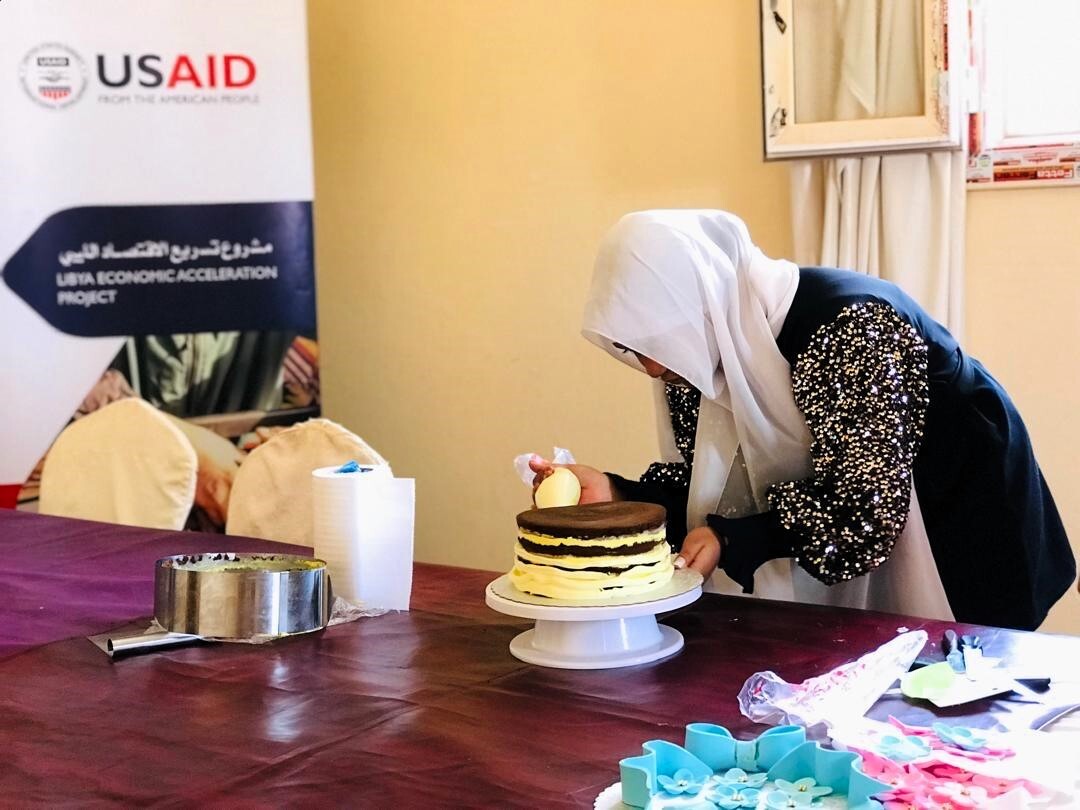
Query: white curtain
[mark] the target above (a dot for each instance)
(900, 216)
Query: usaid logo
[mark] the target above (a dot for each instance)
(53, 75)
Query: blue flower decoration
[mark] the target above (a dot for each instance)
(903, 749)
(682, 782)
(807, 786)
(730, 797)
(740, 778)
(970, 739)
(781, 800)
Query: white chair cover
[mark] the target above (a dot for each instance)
(271, 496)
(125, 463)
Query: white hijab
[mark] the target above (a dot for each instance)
(689, 290)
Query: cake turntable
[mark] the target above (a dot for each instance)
(595, 634)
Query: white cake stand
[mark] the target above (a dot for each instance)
(598, 634)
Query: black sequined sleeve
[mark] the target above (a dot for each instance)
(861, 384)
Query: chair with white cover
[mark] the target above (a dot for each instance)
(125, 463)
(272, 495)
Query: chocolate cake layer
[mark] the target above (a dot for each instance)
(586, 551)
(594, 519)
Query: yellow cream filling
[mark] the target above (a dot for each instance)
(615, 541)
(544, 580)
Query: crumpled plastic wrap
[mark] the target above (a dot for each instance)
(343, 611)
(559, 455)
(838, 695)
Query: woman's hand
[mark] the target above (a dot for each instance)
(595, 486)
(700, 551)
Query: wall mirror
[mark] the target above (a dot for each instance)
(861, 76)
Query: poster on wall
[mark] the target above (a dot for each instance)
(155, 218)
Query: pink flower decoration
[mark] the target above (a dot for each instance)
(879, 767)
(953, 794)
(903, 800)
(903, 778)
(941, 771)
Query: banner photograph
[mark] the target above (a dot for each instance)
(159, 244)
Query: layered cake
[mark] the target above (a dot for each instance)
(594, 551)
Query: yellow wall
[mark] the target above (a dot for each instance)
(1023, 322)
(469, 155)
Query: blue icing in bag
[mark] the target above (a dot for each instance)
(351, 467)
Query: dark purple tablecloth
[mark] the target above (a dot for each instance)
(419, 709)
(62, 578)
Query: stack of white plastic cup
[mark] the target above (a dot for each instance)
(363, 529)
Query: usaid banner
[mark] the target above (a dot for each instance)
(155, 197)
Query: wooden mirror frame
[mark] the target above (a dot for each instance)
(944, 64)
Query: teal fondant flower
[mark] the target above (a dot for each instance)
(970, 739)
(803, 787)
(730, 797)
(681, 782)
(739, 777)
(903, 749)
(779, 800)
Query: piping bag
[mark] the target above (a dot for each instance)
(841, 694)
